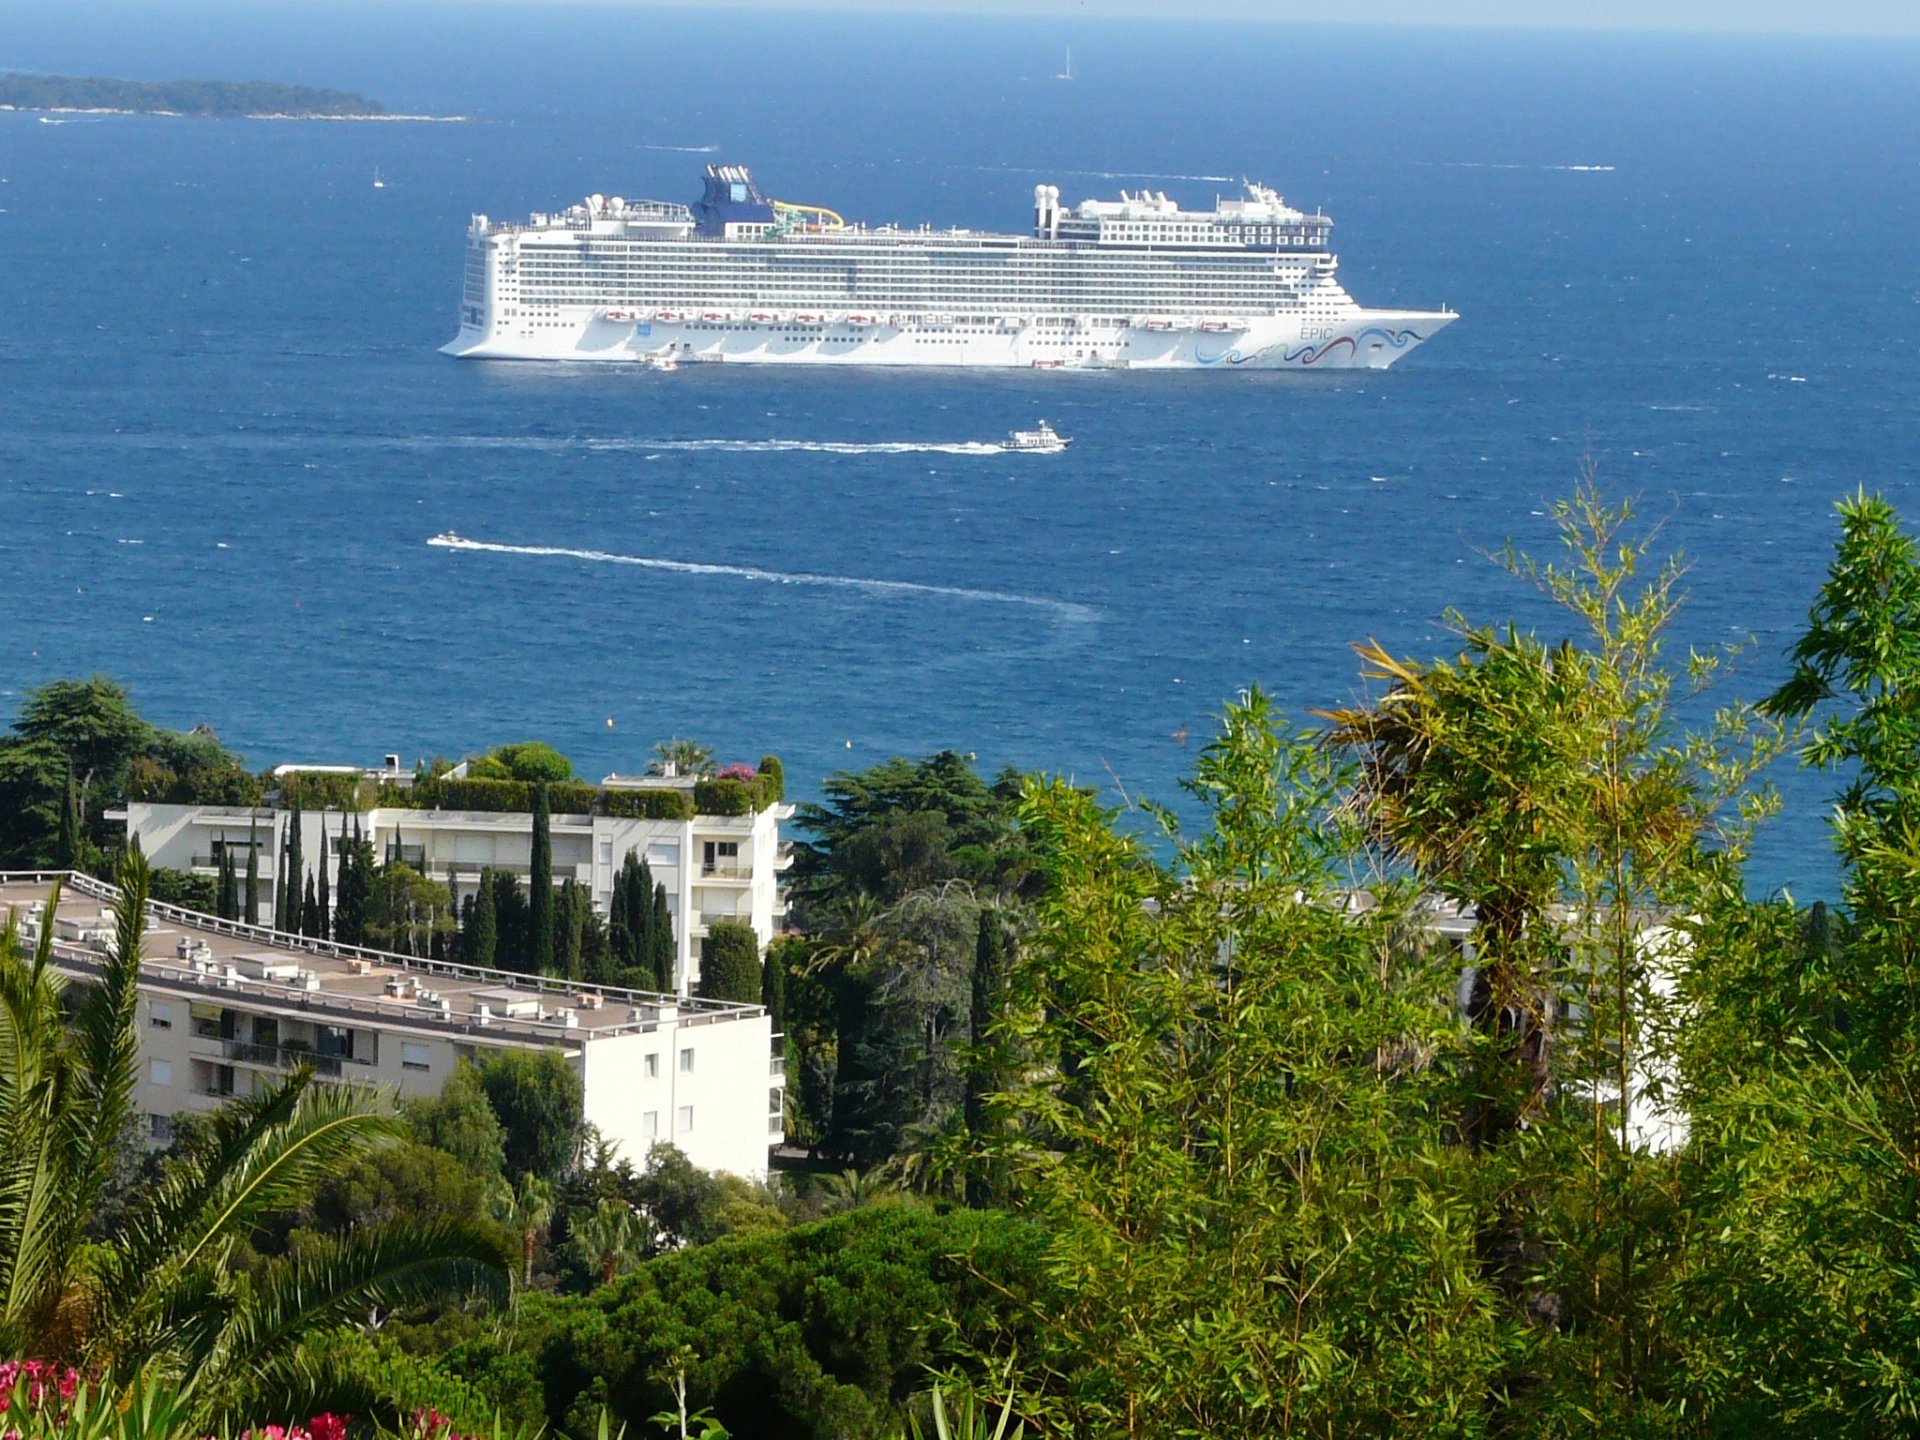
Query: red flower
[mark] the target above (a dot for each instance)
(328, 1426)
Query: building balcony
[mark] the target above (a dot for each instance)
(723, 871)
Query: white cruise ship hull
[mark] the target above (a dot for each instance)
(1361, 339)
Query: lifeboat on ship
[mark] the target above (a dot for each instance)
(1157, 322)
(766, 317)
(1215, 324)
(618, 317)
(668, 316)
(807, 317)
(716, 317)
(864, 322)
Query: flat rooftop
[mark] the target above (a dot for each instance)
(223, 961)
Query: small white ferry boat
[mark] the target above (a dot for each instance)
(658, 360)
(1041, 438)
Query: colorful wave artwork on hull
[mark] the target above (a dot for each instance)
(1312, 354)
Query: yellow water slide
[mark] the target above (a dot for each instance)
(811, 217)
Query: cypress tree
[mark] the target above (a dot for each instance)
(226, 897)
(773, 985)
(730, 963)
(483, 938)
(252, 917)
(572, 925)
(619, 934)
(310, 911)
(296, 873)
(992, 954)
(356, 887)
(540, 883)
(325, 925)
(67, 845)
(664, 957)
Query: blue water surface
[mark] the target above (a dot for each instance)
(226, 436)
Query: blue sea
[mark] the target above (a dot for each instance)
(226, 437)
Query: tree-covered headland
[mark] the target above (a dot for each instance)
(1430, 1073)
(180, 97)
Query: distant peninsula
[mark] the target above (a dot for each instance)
(250, 99)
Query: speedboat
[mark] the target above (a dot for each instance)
(1042, 439)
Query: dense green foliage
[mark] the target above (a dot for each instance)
(76, 748)
(179, 97)
(538, 1097)
(814, 1333)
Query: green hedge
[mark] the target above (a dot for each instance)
(572, 797)
(495, 796)
(647, 804)
(312, 791)
(773, 780)
(723, 797)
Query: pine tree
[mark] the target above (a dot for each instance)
(324, 928)
(664, 955)
(540, 883)
(483, 937)
(252, 917)
(67, 846)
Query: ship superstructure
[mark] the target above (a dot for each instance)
(1130, 283)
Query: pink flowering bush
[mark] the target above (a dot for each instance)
(736, 771)
(327, 1426)
(31, 1384)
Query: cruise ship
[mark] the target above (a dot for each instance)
(1133, 283)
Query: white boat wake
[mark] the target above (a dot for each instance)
(818, 447)
(1065, 609)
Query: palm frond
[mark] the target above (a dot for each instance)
(383, 1266)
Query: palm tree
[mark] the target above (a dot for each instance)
(158, 1297)
(612, 1236)
(681, 757)
(526, 1207)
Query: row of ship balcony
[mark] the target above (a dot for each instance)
(865, 320)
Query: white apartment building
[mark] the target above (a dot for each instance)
(714, 867)
(227, 1009)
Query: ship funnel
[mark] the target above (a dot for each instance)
(1046, 212)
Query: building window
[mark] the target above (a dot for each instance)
(413, 1056)
(686, 1061)
(650, 1125)
(653, 1067)
(160, 1072)
(683, 1121)
(160, 1015)
(606, 853)
(659, 855)
(160, 1127)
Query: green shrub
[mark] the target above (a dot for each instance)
(185, 889)
(532, 760)
(722, 797)
(488, 767)
(661, 804)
